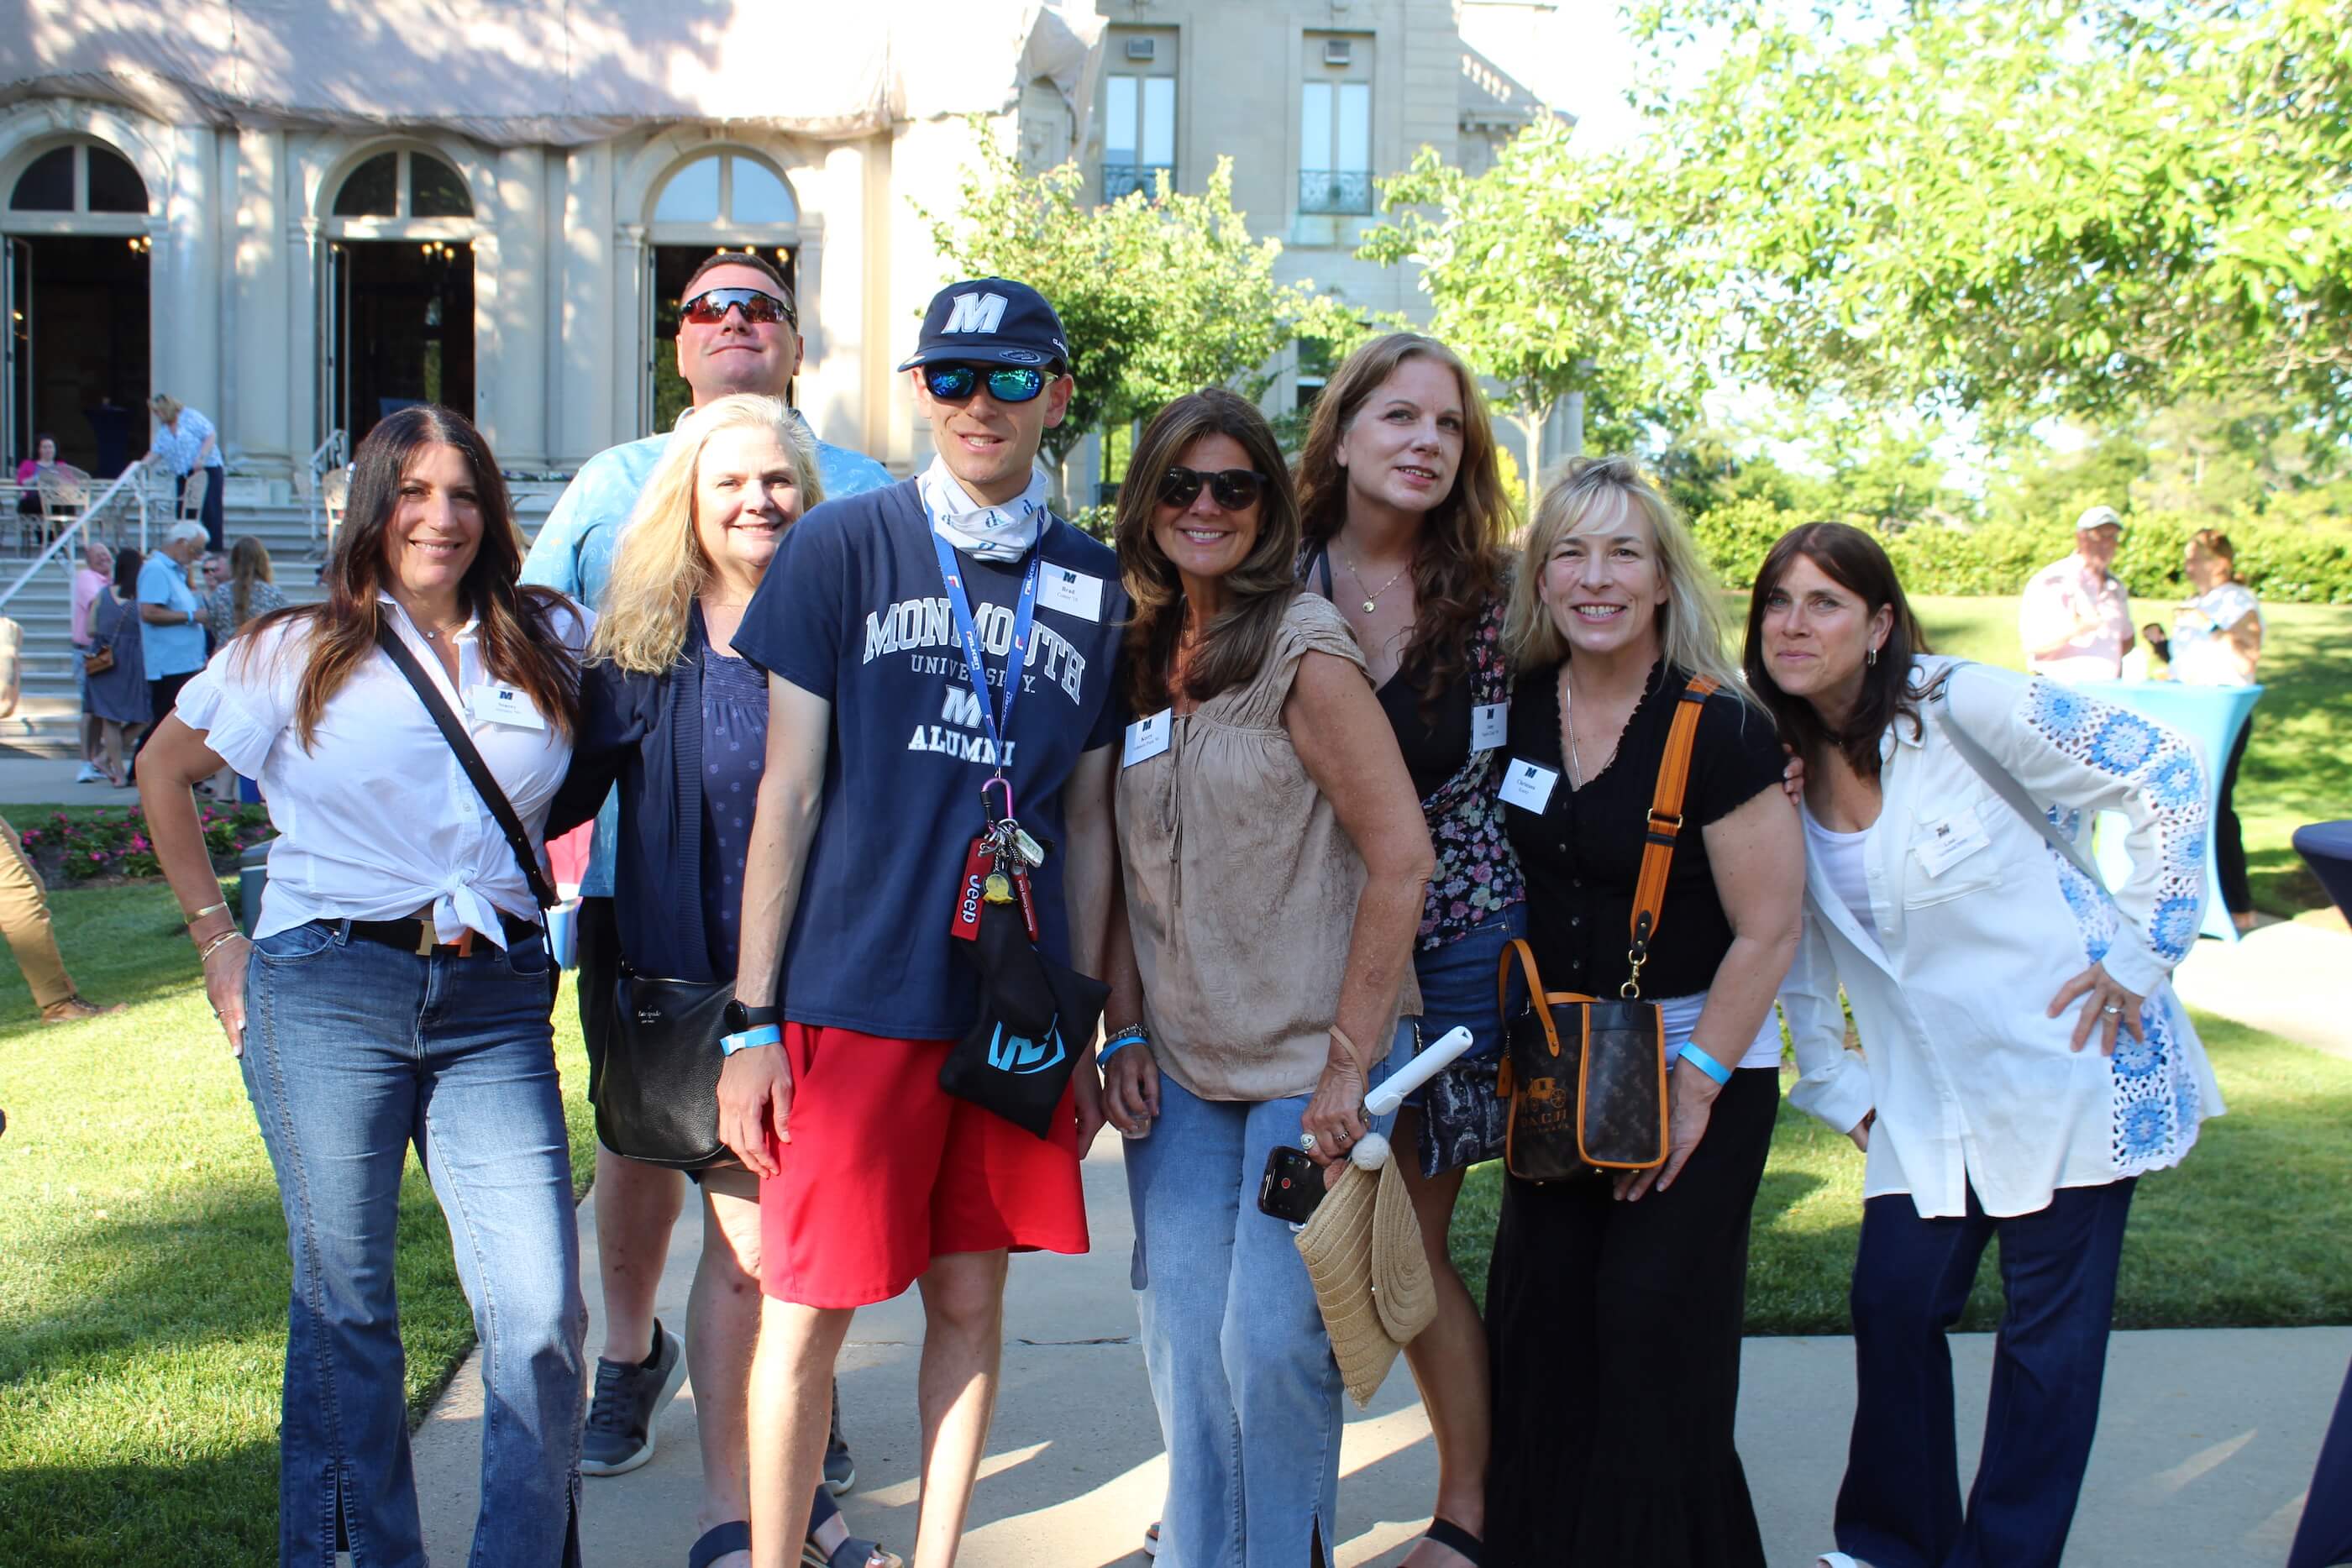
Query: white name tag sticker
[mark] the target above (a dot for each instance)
(1527, 786)
(1071, 592)
(1944, 844)
(504, 705)
(1489, 723)
(1147, 737)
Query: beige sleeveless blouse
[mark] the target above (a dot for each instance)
(1242, 885)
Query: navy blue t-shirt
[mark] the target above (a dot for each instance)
(854, 610)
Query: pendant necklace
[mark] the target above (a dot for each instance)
(1373, 599)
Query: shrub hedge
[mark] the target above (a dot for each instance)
(2298, 563)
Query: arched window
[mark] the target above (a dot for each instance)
(403, 184)
(727, 191)
(79, 177)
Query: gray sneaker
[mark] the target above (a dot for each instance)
(629, 1400)
(840, 1470)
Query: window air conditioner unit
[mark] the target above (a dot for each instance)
(1337, 51)
(1142, 48)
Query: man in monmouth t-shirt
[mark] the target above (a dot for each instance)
(881, 736)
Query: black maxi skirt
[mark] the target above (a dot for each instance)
(1614, 1330)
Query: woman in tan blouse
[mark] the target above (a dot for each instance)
(1275, 857)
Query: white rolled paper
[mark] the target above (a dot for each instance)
(1435, 1060)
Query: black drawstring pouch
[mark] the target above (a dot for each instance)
(1036, 1017)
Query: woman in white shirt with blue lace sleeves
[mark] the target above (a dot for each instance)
(1983, 968)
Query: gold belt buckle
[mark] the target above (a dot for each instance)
(426, 943)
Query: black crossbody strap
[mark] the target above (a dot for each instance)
(470, 759)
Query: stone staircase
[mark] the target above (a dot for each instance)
(48, 712)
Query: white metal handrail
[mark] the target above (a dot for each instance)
(65, 534)
(330, 456)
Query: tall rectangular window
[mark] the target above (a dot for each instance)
(1139, 111)
(1335, 125)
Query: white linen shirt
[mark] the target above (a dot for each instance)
(377, 819)
(1976, 921)
(2200, 653)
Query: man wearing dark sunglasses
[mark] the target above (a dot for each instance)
(738, 332)
(939, 654)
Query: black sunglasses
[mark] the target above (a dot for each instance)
(1232, 488)
(759, 307)
(1006, 383)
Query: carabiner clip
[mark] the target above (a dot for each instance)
(988, 806)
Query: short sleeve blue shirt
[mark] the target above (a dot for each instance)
(854, 612)
(174, 649)
(572, 553)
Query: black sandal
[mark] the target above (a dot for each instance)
(717, 1541)
(1455, 1539)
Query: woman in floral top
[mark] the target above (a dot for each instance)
(1404, 518)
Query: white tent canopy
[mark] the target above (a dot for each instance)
(516, 72)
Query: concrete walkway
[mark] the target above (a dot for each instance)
(2205, 1446)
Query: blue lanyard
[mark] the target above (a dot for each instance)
(1024, 614)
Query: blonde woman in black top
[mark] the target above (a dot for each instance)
(1613, 1308)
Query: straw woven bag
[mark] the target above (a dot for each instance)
(1363, 1252)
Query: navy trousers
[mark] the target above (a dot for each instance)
(1900, 1506)
(2324, 1538)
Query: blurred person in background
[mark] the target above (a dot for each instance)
(2076, 618)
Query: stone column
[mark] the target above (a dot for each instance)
(260, 281)
(632, 413)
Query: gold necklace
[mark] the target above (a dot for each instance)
(1372, 600)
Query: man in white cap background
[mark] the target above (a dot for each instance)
(2075, 620)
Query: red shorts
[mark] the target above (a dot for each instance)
(887, 1171)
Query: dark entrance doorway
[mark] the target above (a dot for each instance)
(672, 265)
(78, 349)
(402, 329)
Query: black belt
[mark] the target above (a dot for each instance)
(418, 936)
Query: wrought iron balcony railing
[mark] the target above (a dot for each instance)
(1335, 191)
(1118, 179)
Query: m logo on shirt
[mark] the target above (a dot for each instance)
(961, 708)
(975, 313)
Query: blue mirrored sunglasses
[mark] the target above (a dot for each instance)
(1006, 383)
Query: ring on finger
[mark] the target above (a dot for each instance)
(2113, 1008)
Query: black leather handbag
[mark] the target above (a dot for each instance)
(1585, 1078)
(657, 1096)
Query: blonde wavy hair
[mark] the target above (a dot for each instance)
(1691, 627)
(660, 565)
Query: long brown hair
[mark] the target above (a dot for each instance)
(518, 646)
(248, 563)
(1235, 646)
(1857, 563)
(1459, 564)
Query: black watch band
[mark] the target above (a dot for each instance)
(739, 1018)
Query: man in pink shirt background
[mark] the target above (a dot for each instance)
(89, 580)
(2076, 620)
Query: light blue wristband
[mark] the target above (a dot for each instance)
(1691, 1053)
(1117, 1043)
(766, 1034)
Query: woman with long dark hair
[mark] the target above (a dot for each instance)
(397, 987)
(1944, 893)
(1402, 506)
(1274, 862)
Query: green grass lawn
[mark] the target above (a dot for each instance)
(143, 1262)
(2299, 765)
(2245, 1232)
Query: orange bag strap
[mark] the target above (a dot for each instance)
(1526, 955)
(1665, 823)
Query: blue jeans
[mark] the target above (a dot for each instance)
(353, 1052)
(1240, 1364)
(1900, 1504)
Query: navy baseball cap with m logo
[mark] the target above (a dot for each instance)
(991, 321)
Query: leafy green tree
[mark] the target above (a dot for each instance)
(2020, 208)
(1549, 275)
(1160, 295)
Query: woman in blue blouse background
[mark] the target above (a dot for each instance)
(681, 724)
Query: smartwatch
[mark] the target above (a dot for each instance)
(748, 1028)
(738, 1019)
